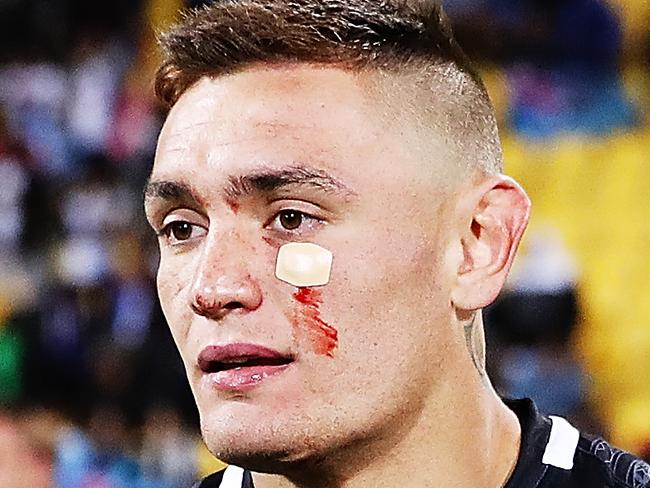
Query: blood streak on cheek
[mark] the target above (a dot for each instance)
(307, 320)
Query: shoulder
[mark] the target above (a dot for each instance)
(554, 454)
(579, 460)
(617, 468)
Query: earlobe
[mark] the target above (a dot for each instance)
(499, 216)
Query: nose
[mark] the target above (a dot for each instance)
(223, 283)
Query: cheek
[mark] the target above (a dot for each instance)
(309, 325)
(172, 291)
(386, 299)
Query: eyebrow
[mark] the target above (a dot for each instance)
(261, 182)
(173, 191)
(268, 181)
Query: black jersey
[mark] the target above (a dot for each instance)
(553, 454)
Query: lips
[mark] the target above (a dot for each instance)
(241, 366)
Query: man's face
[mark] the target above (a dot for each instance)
(249, 162)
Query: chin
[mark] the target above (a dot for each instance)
(280, 433)
(260, 448)
(270, 444)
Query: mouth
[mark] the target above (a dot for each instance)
(241, 366)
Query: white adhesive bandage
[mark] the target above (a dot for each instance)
(303, 264)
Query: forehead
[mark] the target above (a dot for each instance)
(237, 118)
(265, 93)
(320, 116)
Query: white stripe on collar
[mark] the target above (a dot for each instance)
(562, 444)
(233, 477)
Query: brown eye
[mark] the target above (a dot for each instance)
(181, 231)
(290, 219)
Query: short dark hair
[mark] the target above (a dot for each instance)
(226, 36)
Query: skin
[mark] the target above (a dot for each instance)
(21, 466)
(420, 245)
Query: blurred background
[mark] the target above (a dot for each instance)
(92, 391)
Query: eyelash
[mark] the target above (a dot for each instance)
(306, 219)
(167, 230)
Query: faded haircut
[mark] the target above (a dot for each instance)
(401, 37)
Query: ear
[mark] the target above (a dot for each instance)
(496, 216)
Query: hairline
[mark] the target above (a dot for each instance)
(400, 37)
(393, 89)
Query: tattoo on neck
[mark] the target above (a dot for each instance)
(475, 340)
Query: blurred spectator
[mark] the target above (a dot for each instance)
(14, 183)
(168, 454)
(98, 459)
(532, 324)
(134, 296)
(81, 332)
(540, 303)
(136, 121)
(11, 358)
(21, 464)
(99, 65)
(97, 201)
(35, 95)
(562, 62)
(107, 455)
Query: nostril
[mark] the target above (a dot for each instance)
(214, 309)
(201, 303)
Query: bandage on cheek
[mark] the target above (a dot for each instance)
(303, 264)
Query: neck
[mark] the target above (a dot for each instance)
(471, 428)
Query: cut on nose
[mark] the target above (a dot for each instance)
(225, 296)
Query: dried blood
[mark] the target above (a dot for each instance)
(234, 206)
(324, 337)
